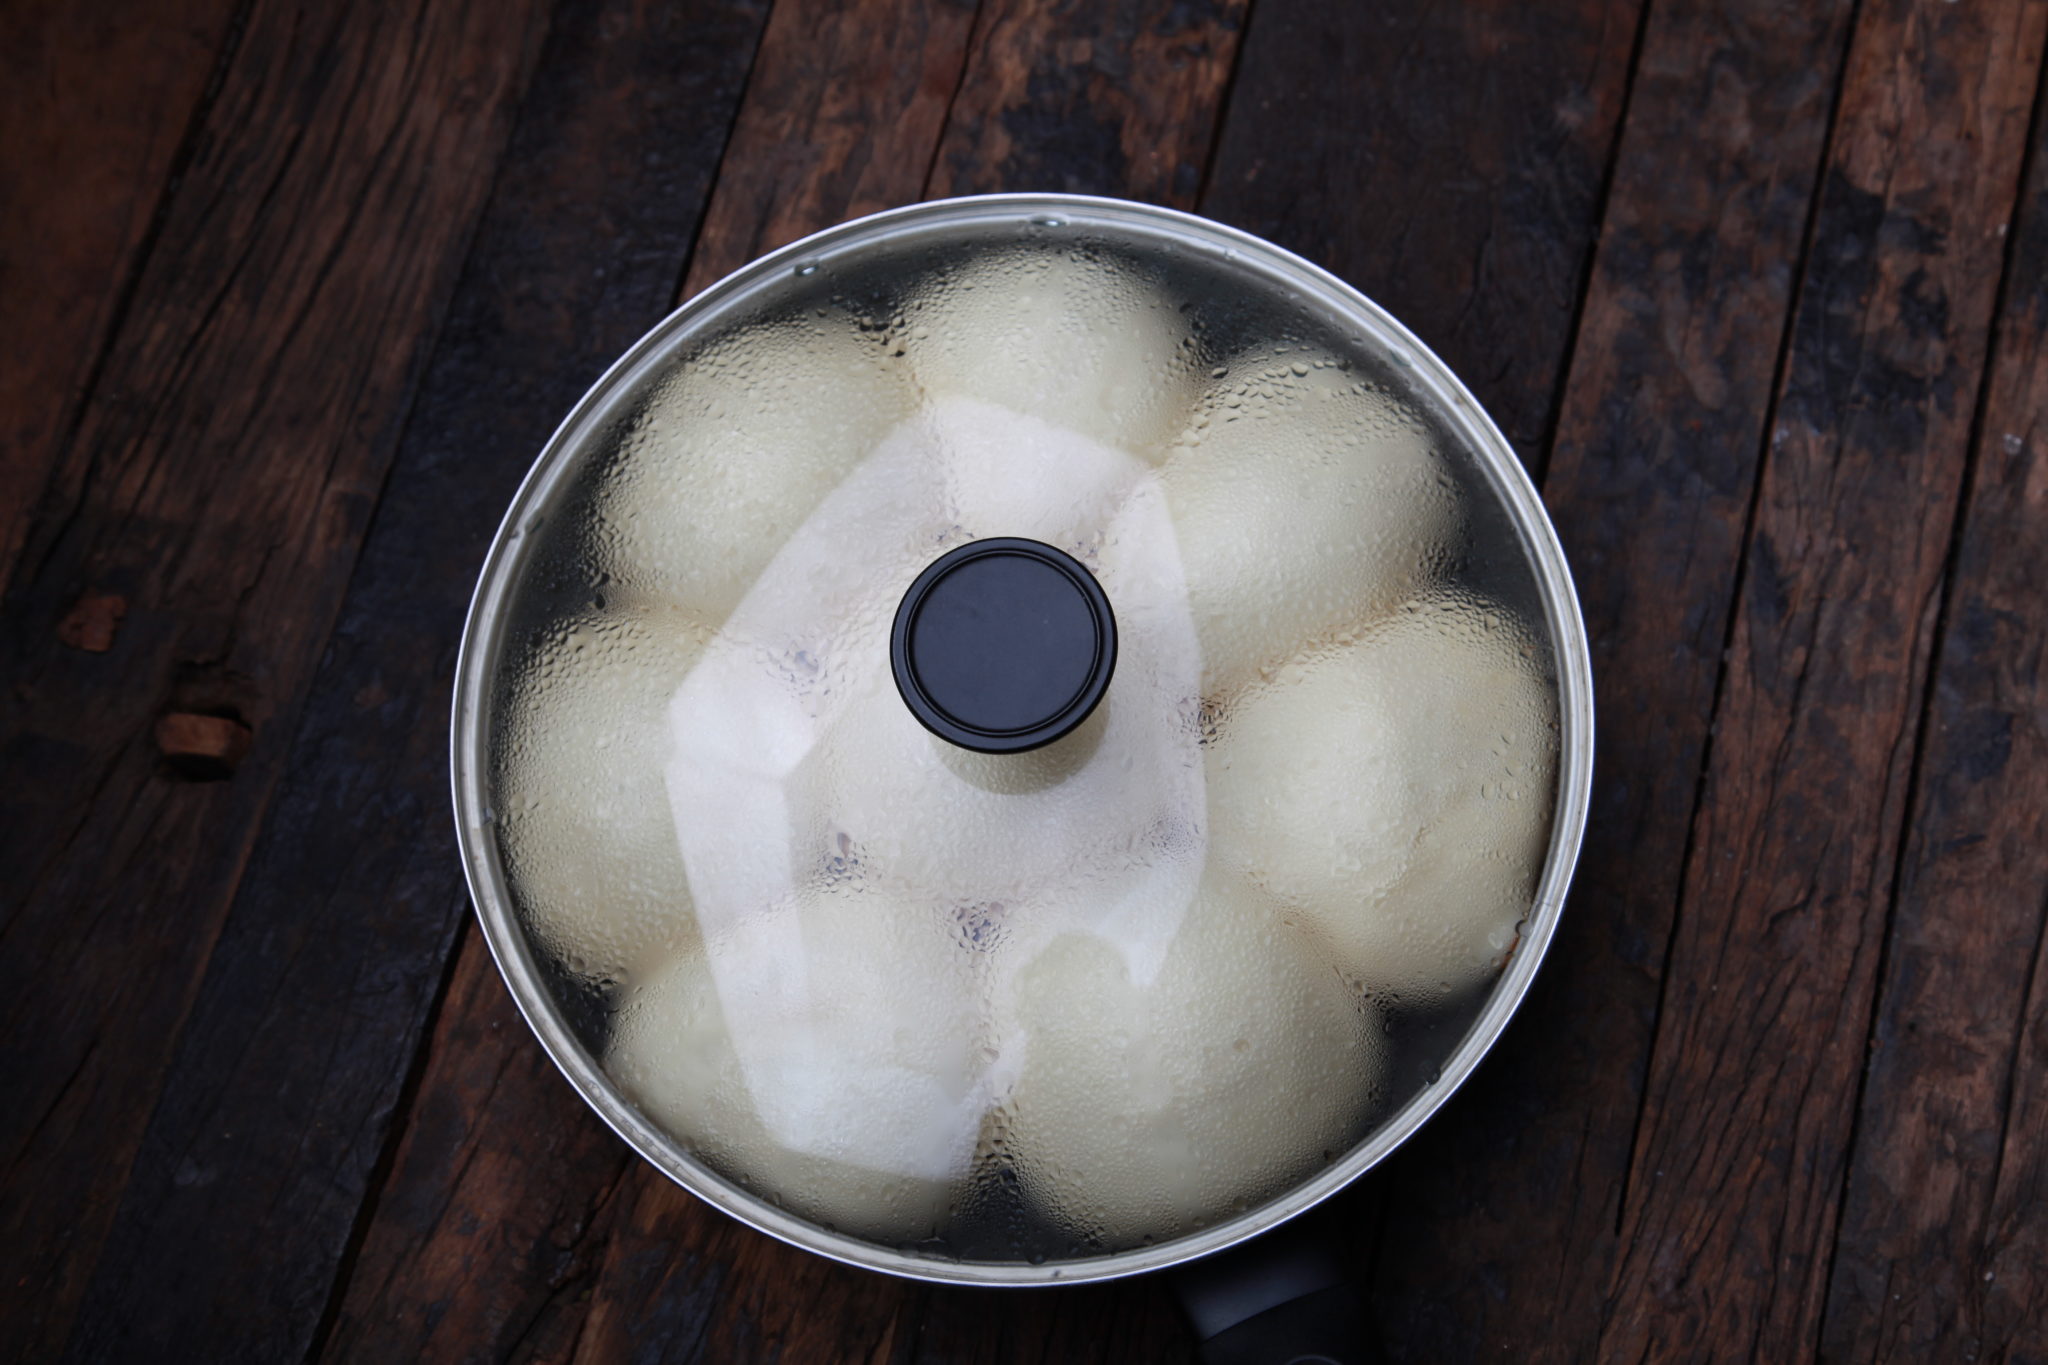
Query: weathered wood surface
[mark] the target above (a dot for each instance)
(1650, 481)
(1757, 290)
(291, 1065)
(1115, 97)
(842, 108)
(1943, 1248)
(219, 479)
(1736, 1180)
(78, 195)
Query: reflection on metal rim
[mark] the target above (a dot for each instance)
(482, 639)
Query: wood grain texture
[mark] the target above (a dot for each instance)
(96, 97)
(279, 1104)
(220, 481)
(845, 104)
(1445, 159)
(1091, 97)
(684, 1283)
(1942, 1248)
(1739, 1166)
(1125, 1321)
(1514, 1195)
(493, 1222)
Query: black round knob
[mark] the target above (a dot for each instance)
(1003, 645)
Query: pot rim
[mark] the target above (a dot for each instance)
(482, 638)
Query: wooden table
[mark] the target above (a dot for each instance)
(294, 292)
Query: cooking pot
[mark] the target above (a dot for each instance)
(1023, 740)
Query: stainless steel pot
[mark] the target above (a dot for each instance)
(1261, 266)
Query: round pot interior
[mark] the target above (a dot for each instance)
(1263, 267)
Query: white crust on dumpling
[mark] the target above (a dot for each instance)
(1146, 1110)
(1083, 344)
(1308, 503)
(732, 451)
(673, 1053)
(584, 823)
(1395, 792)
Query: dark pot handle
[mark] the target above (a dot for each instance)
(1283, 1299)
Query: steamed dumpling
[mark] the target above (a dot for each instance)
(1308, 503)
(731, 453)
(586, 831)
(1080, 343)
(1395, 792)
(823, 1113)
(1147, 1109)
(1005, 473)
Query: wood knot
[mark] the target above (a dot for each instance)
(203, 748)
(93, 621)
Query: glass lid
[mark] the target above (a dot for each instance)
(1018, 738)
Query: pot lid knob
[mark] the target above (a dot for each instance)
(1003, 645)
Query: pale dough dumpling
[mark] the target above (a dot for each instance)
(1081, 343)
(1004, 473)
(587, 836)
(673, 1054)
(1395, 792)
(1307, 503)
(1151, 1109)
(731, 452)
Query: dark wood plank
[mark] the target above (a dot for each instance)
(1087, 97)
(1129, 1320)
(1739, 1165)
(846, 101)
(1446, 159)
(97, 99)
(1502, 1232)
(1942, 1249)
(501, 1199)
(683, 1283)
(220, 483)
(280, 1101)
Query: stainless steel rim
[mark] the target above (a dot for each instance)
(481, 640)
